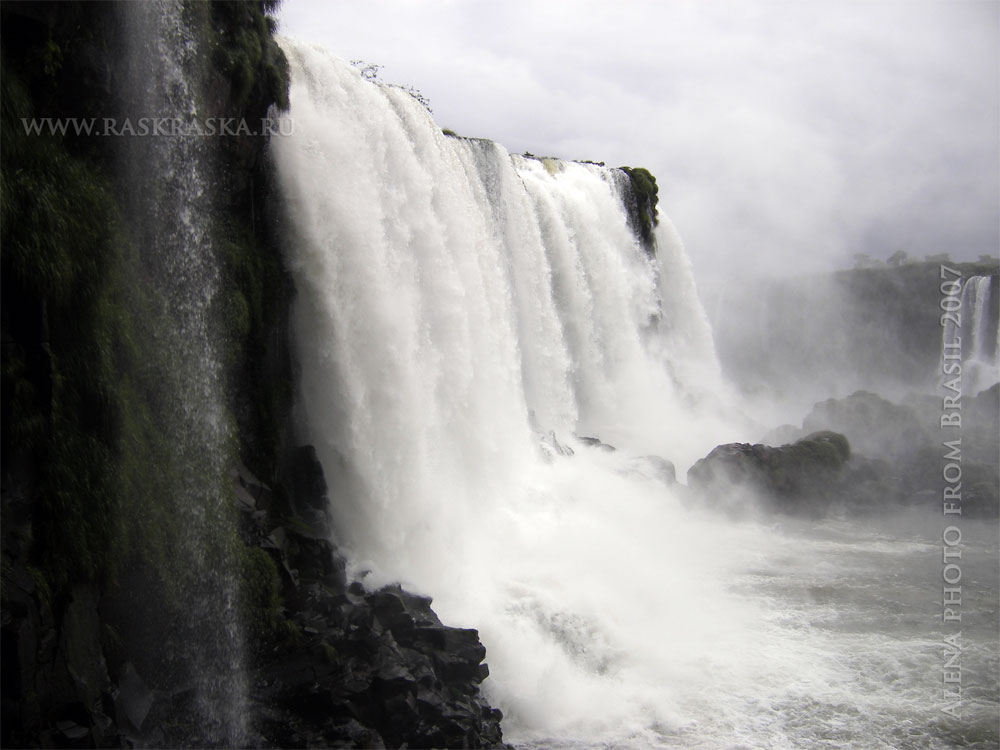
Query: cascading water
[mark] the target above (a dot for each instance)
(455, 305)
(980, 333)
(171, 183)
(457, 302)
(462, 314)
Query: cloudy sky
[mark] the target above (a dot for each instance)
(785, 136)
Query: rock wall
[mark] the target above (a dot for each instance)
(93, 627)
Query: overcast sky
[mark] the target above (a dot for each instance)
(785, 136)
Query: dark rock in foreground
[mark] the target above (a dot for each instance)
(375, 669)
(361, 668)
(345, 667)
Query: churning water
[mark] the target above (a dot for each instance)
(463, 317)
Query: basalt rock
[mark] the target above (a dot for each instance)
(360, 668)
(593, 442)
(801, 478)
(898, 450)
(375, 669)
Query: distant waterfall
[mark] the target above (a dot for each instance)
(980, 334)
(172, 194)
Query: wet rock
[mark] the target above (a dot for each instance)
(897, 450)
(381, 662)
(135, 699)
(259, 494)
(400, 611)
(803, 477)
(307, 480)
(80, 645)
(312, 556)
(592, 442)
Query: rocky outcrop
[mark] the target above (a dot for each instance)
(899, 450)
(56, 688)
(374, 669)
(640, 205)
(801, 478)
(358, 667)
(874, 426)
(594, 442)
(345, 667)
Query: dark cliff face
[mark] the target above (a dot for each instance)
(94, 626)
(91, 529)
(79, 309)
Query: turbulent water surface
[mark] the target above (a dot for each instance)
(465, 315)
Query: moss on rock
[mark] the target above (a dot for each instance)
(642, 208)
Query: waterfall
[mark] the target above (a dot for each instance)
(462, 315)
(980, 333)
(172, 187)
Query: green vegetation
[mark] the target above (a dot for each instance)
(645, 191)
(85, 327)
(829, 450)
(244, 51)
(249, 309)
(259, 595)
(67, 342)
(108, 494)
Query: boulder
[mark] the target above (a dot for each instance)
(134, 698)
(312, 556)
(308, 483)
(901, 449)
(798, 478)
(592, 442)
(379, 665)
